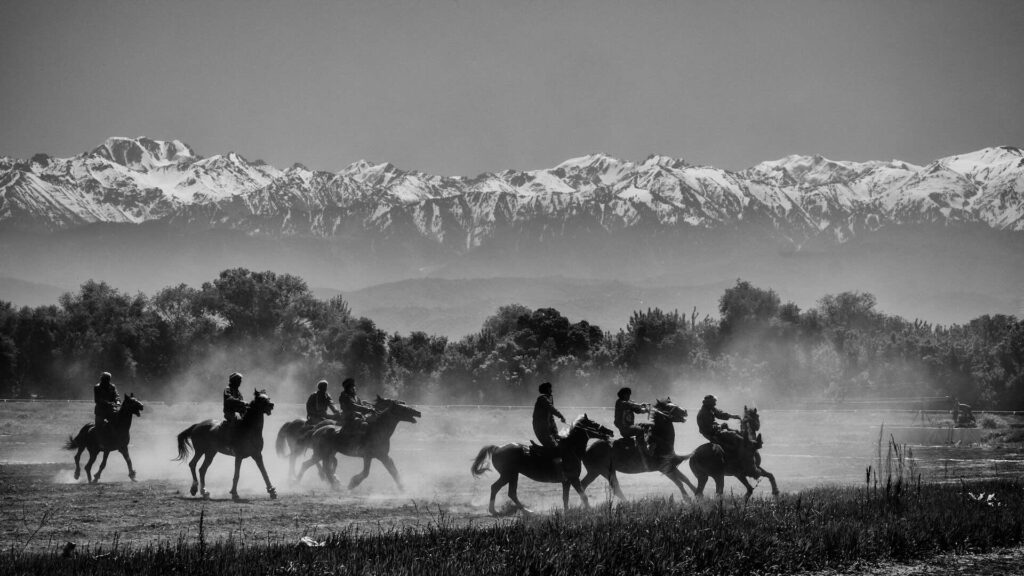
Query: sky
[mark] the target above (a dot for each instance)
(460, 87)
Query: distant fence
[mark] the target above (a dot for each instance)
(859, 406)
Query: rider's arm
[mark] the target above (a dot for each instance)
(637, 408)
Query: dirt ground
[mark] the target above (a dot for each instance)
(42, 505)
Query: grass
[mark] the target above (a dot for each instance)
(817, 529)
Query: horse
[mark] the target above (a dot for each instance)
(373, 443)
(538, 464)
(606, 458)
(710, 460)
(242, 439)
(114, 437)
(295, 436)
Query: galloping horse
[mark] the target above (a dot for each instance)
(375, 442)
(537, 463)
(605, 458)
(745, 462)
(114, 437)
(242, 439)
(295, 435)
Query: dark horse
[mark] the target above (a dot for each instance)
(374, 442)
(295, 435)
(710, 460)
(605, 458)
(539, 464)
(242, 439)
(114, 437)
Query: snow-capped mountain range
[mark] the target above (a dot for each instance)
(134, 180)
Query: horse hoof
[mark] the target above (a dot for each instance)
(206, 495)
(78, 475)
(193, 490)
(131, 476)
(234, 496)
(273, 493)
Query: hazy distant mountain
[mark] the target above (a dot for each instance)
(799, 197)
(595, 235)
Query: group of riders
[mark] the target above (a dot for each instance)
(642, 437)
(351, 413)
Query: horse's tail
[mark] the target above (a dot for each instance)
(76, 442)
(183, 441)
(282, 439)
(480, 462)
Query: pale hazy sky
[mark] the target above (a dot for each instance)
(466, 86)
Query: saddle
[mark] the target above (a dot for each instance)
(541, 451)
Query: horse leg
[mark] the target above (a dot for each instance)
(103, 464)
(88, 466)
(575, 483)
(702, 481)
(719, 484)
(207, 460)
(192, 468)
(305, 466)
(513, 486)
(746, 484)
(390, 465)
(771, 478)
(678, 478)
(128, 460)
(266, 478)
(78, 470)
(234, 482)
(358, 478)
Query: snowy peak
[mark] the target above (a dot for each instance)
(144, 154)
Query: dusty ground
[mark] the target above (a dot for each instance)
(41, 505)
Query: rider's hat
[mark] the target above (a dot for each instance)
(623, 392)
(544, 388)
(348, 383)
(321, 385)
(710, 400)
(235, 378)
(105, 378)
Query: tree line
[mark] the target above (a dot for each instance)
(840, 350)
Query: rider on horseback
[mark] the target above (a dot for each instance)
(716, 433)
(107, 401)
(234, 404)
(624, 410)
(352, 407)
(544, 428)
(318, 404)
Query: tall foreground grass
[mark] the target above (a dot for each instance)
(820, 528)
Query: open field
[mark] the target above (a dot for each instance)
(43, 506)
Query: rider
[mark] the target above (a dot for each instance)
(106, 398)
(318, 404)
(711, 430)
(352, 407)
(624, 410)
(234, 405)
(963, 416)
(544, 413)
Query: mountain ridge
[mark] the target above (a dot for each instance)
(135, 180)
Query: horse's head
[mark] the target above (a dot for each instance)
(399, 409)
(261, 402)
(750, 426)
(666, 410)
(591, 428)
(131, 405)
